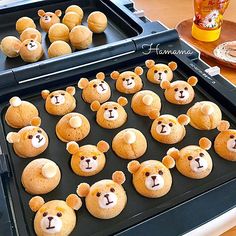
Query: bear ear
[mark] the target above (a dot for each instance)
(103, 146)
(41, 13)
(133, 166)
(71, 90)
(168, 162)
(72, 147)
(205, 143)
(138, 70)
(174, 153)
(15, 101)
(83, 189)
(122, 101)
(192, 80)
(183, 119)
(13, 137)
(36, 203)
(130, 137)
(149, 63)
(165, 84)
(16, 46)
(58, 13)
(173, 65)
(154, 114)
(115, 75)
(147, 99)
(45, 94)
(74, 202)
(36, 121)
(49, 170)
(223, 126)
(100, 76)
(95, 105)
(118, 177)
(83, 83)
(75, 122)
(207, 109)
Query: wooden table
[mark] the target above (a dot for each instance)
(172, 12)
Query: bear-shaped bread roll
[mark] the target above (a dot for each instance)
(59, 102)
(95, 90)
(158, 72)
(110, 115)
(58, 32)
(97, 22)
(204, 115)
(27, 34)
(40, 176)
(47, 19)
(193, 161)
(145, 101)
(87, 160)
(76, 9)
(128, 82)
(24, 23)
(20, 113)
(129, 144)
(179, 92)
(225, 141)
(7, 46)
(106, 198)
(56, 217)
(59, 48)
(71, 19)
(152, 178)
(30, 141)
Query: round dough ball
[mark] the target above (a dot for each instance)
(97, 22)
(59, 48)
(57, 32)
(81, 37)
(24, 23)
(27, 34)
(71, 19)
(7, 46)
(76, 9)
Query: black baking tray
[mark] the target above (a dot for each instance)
(138, 208)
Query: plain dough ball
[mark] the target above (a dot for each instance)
(7, 46)
(76, 9)
(71, 19)
(59, 48)
(57, 32)
(24, 23)
(97, 22)
(27, 33)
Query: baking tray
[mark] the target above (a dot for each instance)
(138, 208)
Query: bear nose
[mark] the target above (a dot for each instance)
(110, 110)
(38, 136)
(163, 126)
(50, 218)
(106, 195)
(181, 91)
(159, 73)
(197, 159)
(88, 160)
(154, 177)
(127, 80)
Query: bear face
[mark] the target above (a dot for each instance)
(96, 89)
(56, 217)
(47, 19)
(106, 198)
(30, 141)
(193, 161)
(59, 102)
(179, 92)
(128, 82)
(110, 115)
(159, 72)
(87, 160)
(225, 141)
(167, 128)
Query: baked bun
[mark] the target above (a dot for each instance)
(158, 72)
(193, 161)
(71, 19)
(76, 9)
(129, 144)
(29, 32)
(204, 115)
(58, 32)
(20, 113)
(144, 102)
(179, 92)
(128, 82)
(59, 102)
(106, 198)
(95, 90)
(72, 127)
(30, 141)
(24, 23)
(59, 48)
(7, 46)
(110, 115)
(97, 22)
(41, 176)
(87, 160)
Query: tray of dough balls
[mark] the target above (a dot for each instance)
(113, 149)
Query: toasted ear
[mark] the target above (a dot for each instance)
(165, 84)
(183, 119)
(83, 189)
(173, 152)
(100, 76)
(36, 121)
(205, 143)
(149, 63)
(13, 137)
(45, 94)
(72, 147)
(58, 13)
(122, 101)
(103, 146)
(133, 166)
(83, 83)
(138, 70)
(49, 170)
(118, 177)
(207, 109)
(36, 203)
(168, 162)
(223, 126)
(75, 122)
(173, 65)
(16, 46)
(74, 202)
(147, 99)
(41, 13)
(95, 105)
(192, 80)
(130, 137)
(115, 75)
(154, 114)
(15, 101)
(71, 90)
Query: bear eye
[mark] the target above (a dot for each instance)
(30, 136)
(102, 82)
(94, 85)
(176, 89)
(123, 79)
(147, 174)
(132, 78)
(155, 71)
(160, 172)
(232, 136)
(201, 154)
(170, 124)
(63, 94)
(190, 158)
(51, 96)
(45, 214)
(115, 108)
(166, 71)
(51, 16)
(105, 108)
(26, 45)
(82, 158)
(94, 158)
(31, 40)
(159, 122)
(185, 88)
(112, 190)
(98, 194)
(39, 131)
(59, 214)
